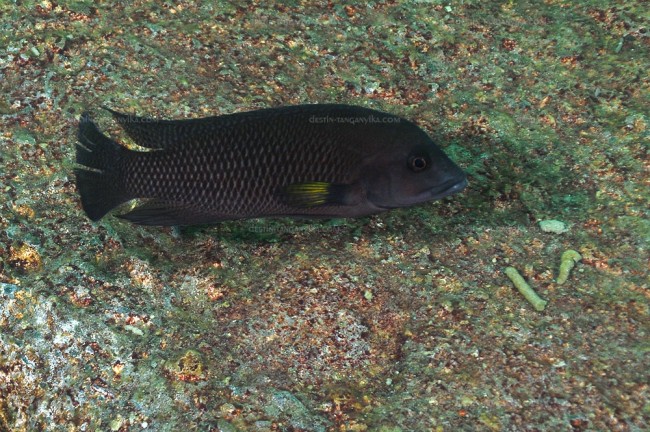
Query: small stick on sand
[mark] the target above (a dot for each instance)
(525, 289)
(568, 261)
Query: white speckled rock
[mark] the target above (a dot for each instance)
(553, 226)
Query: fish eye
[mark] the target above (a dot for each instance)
(418, 163)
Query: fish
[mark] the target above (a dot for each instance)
(311, 161)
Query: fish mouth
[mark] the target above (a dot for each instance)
(446, 189)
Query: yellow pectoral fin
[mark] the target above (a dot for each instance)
(312, 194)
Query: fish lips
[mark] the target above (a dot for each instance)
(448, 188)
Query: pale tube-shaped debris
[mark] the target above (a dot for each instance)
(538, 303)
(568, 261)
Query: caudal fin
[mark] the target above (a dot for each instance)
(98, 179)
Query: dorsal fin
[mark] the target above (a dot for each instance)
(158, 134)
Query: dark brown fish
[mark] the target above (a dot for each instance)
(305, 160)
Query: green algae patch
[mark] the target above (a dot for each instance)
(188, 368)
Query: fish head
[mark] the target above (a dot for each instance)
(410, 169)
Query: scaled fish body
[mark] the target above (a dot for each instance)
(305, 160)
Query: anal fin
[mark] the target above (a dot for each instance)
(168, 213)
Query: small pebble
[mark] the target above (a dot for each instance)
(8, 289)
(553, 226)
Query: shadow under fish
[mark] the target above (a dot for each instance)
(304, 161)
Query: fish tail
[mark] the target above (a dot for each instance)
(98, 177)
